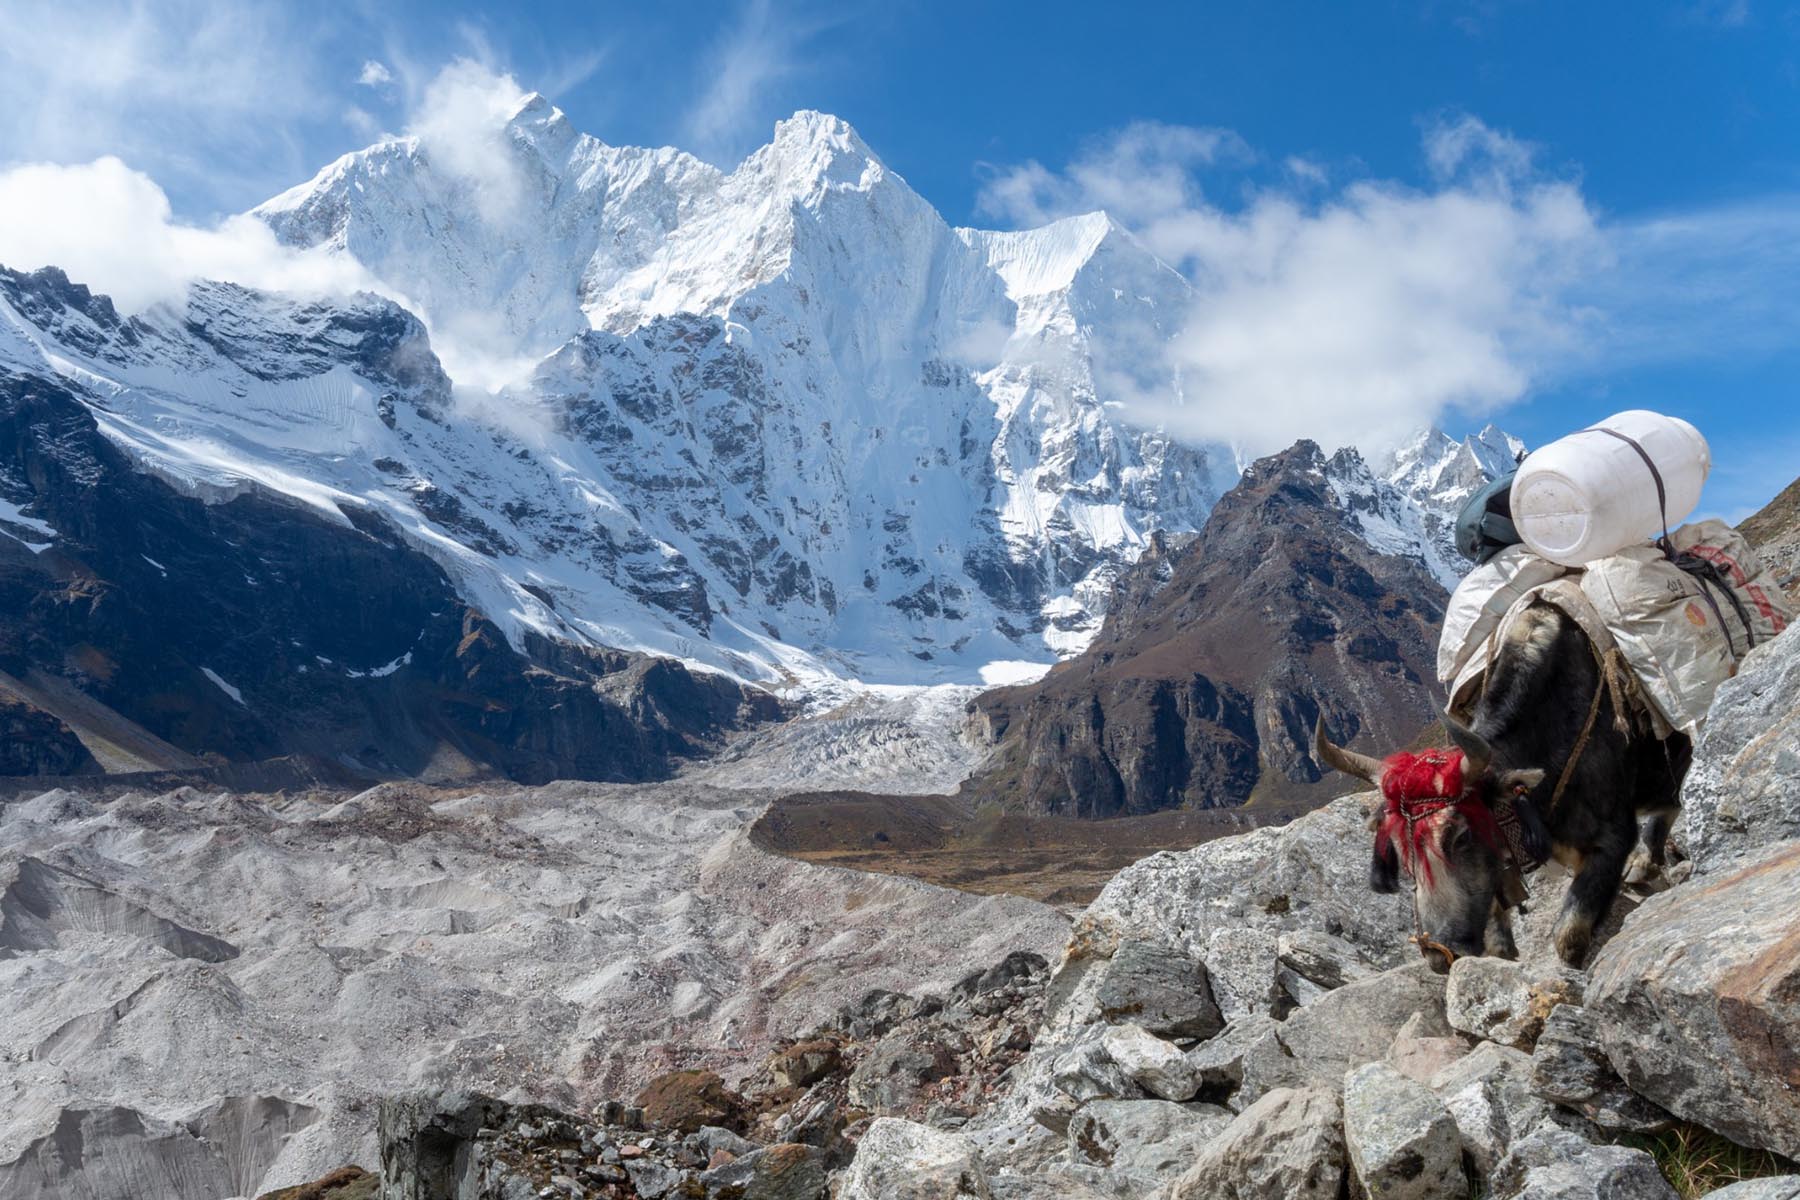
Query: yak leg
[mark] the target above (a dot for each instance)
(1591, 894)
(1499, 936)
(1653, 834)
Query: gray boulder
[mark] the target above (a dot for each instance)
(1742, 794)
(1151, 1063)
(1345, 1028)
(1551, 1163)
(1311, 873)
(1289, 1145)
(785, 1171)
(1219, 1062)
(1151, 1140)
(1490, 1097)
(1160, 988)
(1776, 1187)
(1402, 1141)
(900, 1160)
(426, 1138)
(1697, 1001)
(1486, 997)
(1420, 1055)
(1569, 1066)
(896, 1071)
(1243, 967)
(1321, 958)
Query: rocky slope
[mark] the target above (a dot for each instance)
(1240, 1020)
(209, 992)
(1775, 531)
(1216, 658)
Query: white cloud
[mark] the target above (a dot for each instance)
(1350, 317)
(375, 74)
(461, 122)
(1139, 175)
(111, 227)
(208, 97)
(751, 58)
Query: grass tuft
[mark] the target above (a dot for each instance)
(1697, 1161)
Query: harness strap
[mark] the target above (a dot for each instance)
(1608, 682)
(1662, 496)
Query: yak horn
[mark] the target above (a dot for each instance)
(1348, 761)
(1477, 754)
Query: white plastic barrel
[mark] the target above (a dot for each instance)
(1588, 495)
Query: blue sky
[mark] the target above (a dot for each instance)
(1640, 161)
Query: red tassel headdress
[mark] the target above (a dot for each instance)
(1421, 790)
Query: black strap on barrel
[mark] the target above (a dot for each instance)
(1705, 572)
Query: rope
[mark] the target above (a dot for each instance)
(1608, 682)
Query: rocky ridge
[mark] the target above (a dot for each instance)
(1216, 658)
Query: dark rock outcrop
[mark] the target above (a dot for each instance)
(254, 629)
(1202, 688)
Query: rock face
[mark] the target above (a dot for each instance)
(1742, 794)
(898, 1160)
(1352, 1025)
(1152, 1140)
(1569, 1066)
(167, 628)
(1699, 1001)
(1203, 684)
(1309, 874)
(1775, 532)
(1287, 1146)
(1403, 1144)
(1161, 989)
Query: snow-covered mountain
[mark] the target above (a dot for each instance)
(783, 421)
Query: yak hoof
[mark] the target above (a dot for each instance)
(1573, 937)
(1640, 868)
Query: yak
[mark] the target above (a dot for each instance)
(1548, 706)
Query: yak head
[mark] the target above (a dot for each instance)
(1436, 821)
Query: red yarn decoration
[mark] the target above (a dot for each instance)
(1421, 791)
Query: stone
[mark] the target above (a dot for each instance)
(1742, 794)
(1016, 968)
(1698, 1001)
(1289, 1145)
(1347, 1027)
(1775, 1187)
(1569, 1066)
(901, 1160)
(804, 1063)
(1499, 1000)
(784, 1171)
(1148, 1139)
(1402, 1141)
(1488, 998)
(1153, 1064)
(1241, 965)
(1063, 1181)
(421, 1135)
(711, 1139)
(1320, 958)
(1311, 873)
(650, 1179)
(1219, 1062)
(1418, 1055)
(1551, 1163)
(686, 1100)
(892, 1075)
(1160, 988)
(1489, 1094)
